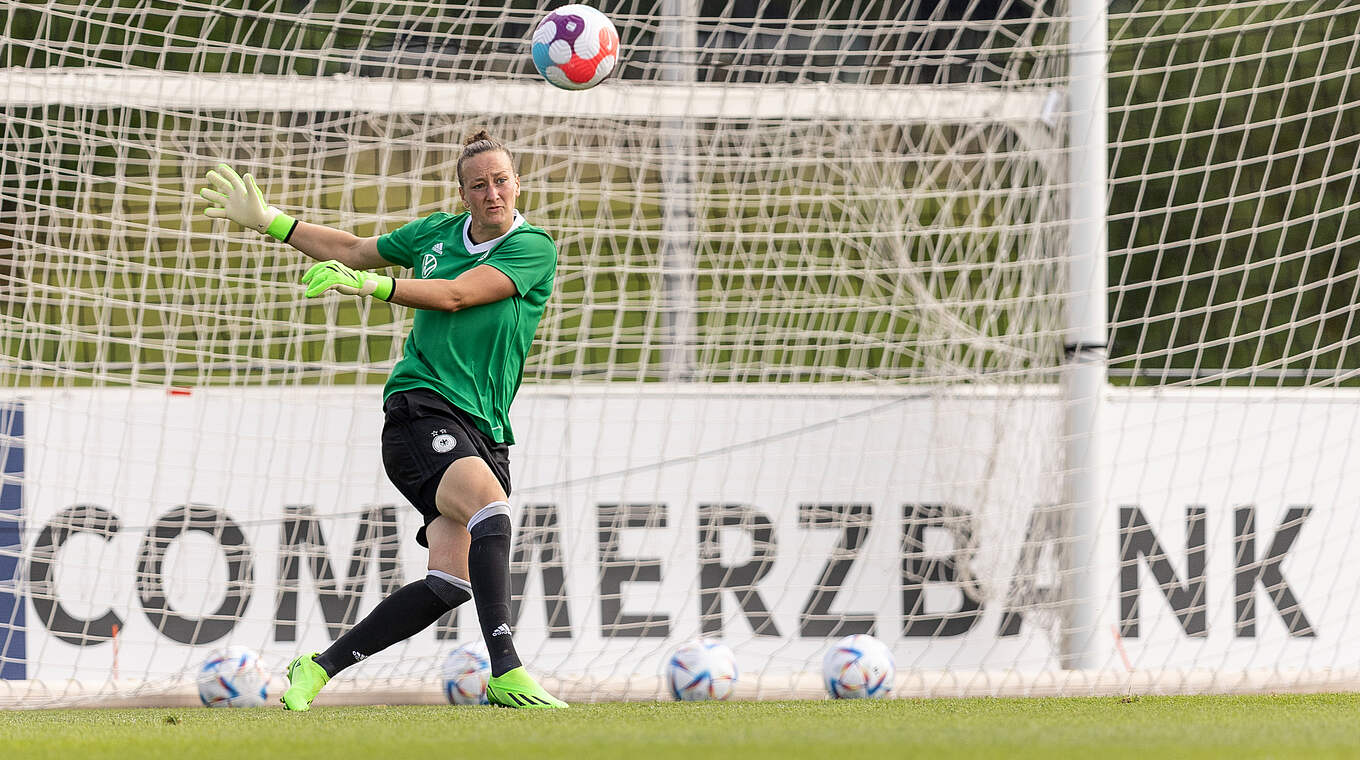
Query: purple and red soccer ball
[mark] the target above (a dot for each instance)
(575, 47)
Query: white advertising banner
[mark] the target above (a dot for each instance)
(776, 519)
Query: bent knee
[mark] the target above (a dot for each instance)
(466, 487)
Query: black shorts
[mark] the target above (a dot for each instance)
(422, 435)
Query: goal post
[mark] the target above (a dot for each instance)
(1019, 335)
(1085, 343)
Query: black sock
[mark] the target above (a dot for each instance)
(408, 611)
(489, 572)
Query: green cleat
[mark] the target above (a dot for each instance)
(305, 679)
(516, 688)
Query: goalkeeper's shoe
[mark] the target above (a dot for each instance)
(516, 688)
(305, 679)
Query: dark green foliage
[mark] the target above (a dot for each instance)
(1235, 142)
(1234, 244)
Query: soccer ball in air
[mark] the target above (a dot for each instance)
(575, 47)
(857, 667)
(466, 671)
(702, 669)
(233, 677)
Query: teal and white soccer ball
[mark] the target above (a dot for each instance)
(858, 667)
(466, 671)
(702, 669)
(233, 677)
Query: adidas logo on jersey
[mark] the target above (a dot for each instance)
(502, 630)
(438, 249)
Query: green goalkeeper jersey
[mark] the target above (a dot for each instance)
(473, 357)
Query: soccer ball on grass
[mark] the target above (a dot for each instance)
(858, 666)
(233, 677)
(466, 671)
(575, 47)
(702, 669)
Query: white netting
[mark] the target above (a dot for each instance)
(799, 374)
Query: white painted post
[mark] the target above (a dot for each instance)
(1083, 376)
(679, 42)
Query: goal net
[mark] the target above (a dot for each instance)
(821, 358)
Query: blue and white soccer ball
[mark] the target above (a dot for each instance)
(702, 669)
(234, 677)
(466, 671)
(859, 666)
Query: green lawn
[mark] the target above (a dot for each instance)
(1162, 727)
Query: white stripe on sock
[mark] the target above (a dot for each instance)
(455, 580)
(490, 510)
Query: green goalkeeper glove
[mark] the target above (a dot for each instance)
(241, 201)
(329, 275)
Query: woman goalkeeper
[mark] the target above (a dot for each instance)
(479, 283)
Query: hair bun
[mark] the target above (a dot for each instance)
(478, 136)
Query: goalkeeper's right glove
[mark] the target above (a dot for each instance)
(242, 202)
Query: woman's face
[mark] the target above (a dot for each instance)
(489, 187)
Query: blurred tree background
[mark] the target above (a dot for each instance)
(1234, 147)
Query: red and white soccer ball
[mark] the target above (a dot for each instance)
(575, 47)
(859, 666)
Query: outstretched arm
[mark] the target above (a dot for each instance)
(343, 256)
(239, 199)
(477, 286)
(329, 244)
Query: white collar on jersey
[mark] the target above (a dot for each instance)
(477, 249)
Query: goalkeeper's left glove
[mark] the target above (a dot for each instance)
(328, 275)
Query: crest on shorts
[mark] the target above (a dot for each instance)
(443, 442)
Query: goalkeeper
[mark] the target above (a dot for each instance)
(479, 283)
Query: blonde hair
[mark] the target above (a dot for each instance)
(477, 143)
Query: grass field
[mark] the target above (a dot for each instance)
(1316, 726)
